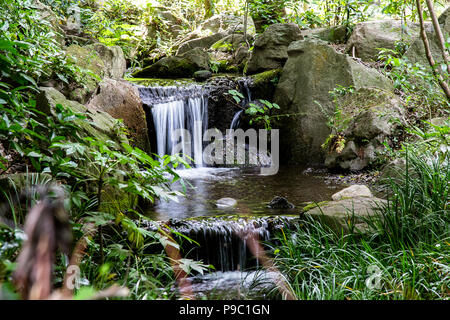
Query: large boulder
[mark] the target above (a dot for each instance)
(181, 66)
(367, 118)
(202, 42)
(336, 34)
(227, 23)
(164, 19)
(348, 215)
(444, 18)
(113, 59)
(121, 100)
(89, 60)
(270, 48)
(99, 124)
(368, 37)
(311, 72)
(416, 52)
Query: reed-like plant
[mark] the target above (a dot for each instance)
(406, 256)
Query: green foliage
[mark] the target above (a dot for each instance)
(409, 246)
(260, 112)
(29, 49)
(419, 197)
(116, 23)
(91, 171)
(416, 83)
(335, 120)
(434, 138)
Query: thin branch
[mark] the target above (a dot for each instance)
(426, 44)
(440, 36)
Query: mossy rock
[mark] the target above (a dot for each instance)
(183, 66)
(265, 83)
(232, 42)
(384, 104)
(99, 125)
(266, 77)
(348, 215)
(203, 42)
(89, 60)
(156, 82)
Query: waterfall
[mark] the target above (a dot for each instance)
(236, 120)
(245, 90)
(224, 241)
(174, 109)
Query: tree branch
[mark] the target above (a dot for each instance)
(426, 44)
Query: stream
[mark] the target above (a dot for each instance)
(224, 208)
(252, 191)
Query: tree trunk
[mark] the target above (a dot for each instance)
(208, 4)
(246, 22)
(426, 44)
(439, 34)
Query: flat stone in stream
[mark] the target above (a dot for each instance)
(226, 202)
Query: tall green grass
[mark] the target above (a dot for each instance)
(406, 256)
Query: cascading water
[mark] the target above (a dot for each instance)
(175, 109)
(236, 120)
(224, 242)
(244, 102)
(227, 244)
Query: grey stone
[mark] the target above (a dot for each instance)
(121, 100)
(416, 52)
(280, 203)
(335, 34)
(368, 117)
(113, 59)
(88, 59)
(227, 23)
(180, 66)
(353, 191)
(348, 215)
(232, 42)
(311, 72)
(368, 37)
(202, 75)
(202, 43)
(226, 203)
(99, 124)
(270, 48)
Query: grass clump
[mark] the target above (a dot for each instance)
(406, 257)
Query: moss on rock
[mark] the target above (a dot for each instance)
(89, 60)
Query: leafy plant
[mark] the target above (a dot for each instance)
(260, 112)
(415, 83)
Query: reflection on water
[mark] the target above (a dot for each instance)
(251, 190)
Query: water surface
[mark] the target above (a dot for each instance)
(251, 190)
